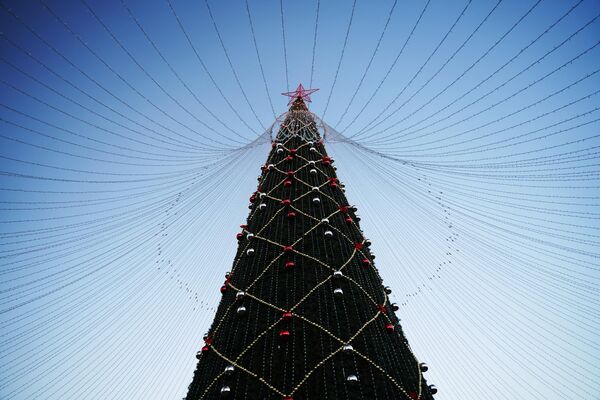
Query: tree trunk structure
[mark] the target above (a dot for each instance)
(304, 313)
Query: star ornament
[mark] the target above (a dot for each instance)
(300, 93)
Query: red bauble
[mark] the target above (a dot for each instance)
(349, 220)
(290, 173)
(343, 209)
(389, 328)
(289, 158)
(204, 349)
(293, 151)
(287, 183)
(223, 289)
(239, 236)
(291, 214)
(284, 334)
(288, 249)
(381, 309)
(366, 262)
(243, 226)
(290, 265)
(286, 202)
(287, 315)
(358, 246)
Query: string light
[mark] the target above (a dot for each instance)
(519, 195)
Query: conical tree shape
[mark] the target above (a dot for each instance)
(304, 313)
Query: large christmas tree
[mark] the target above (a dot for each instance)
(304, 313)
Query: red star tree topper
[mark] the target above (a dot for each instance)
(300, 93)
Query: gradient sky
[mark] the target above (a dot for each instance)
(132, 133)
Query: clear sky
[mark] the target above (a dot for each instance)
(132, 133)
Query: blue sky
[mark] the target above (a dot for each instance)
(129, 148)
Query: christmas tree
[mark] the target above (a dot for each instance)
(304, 313)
